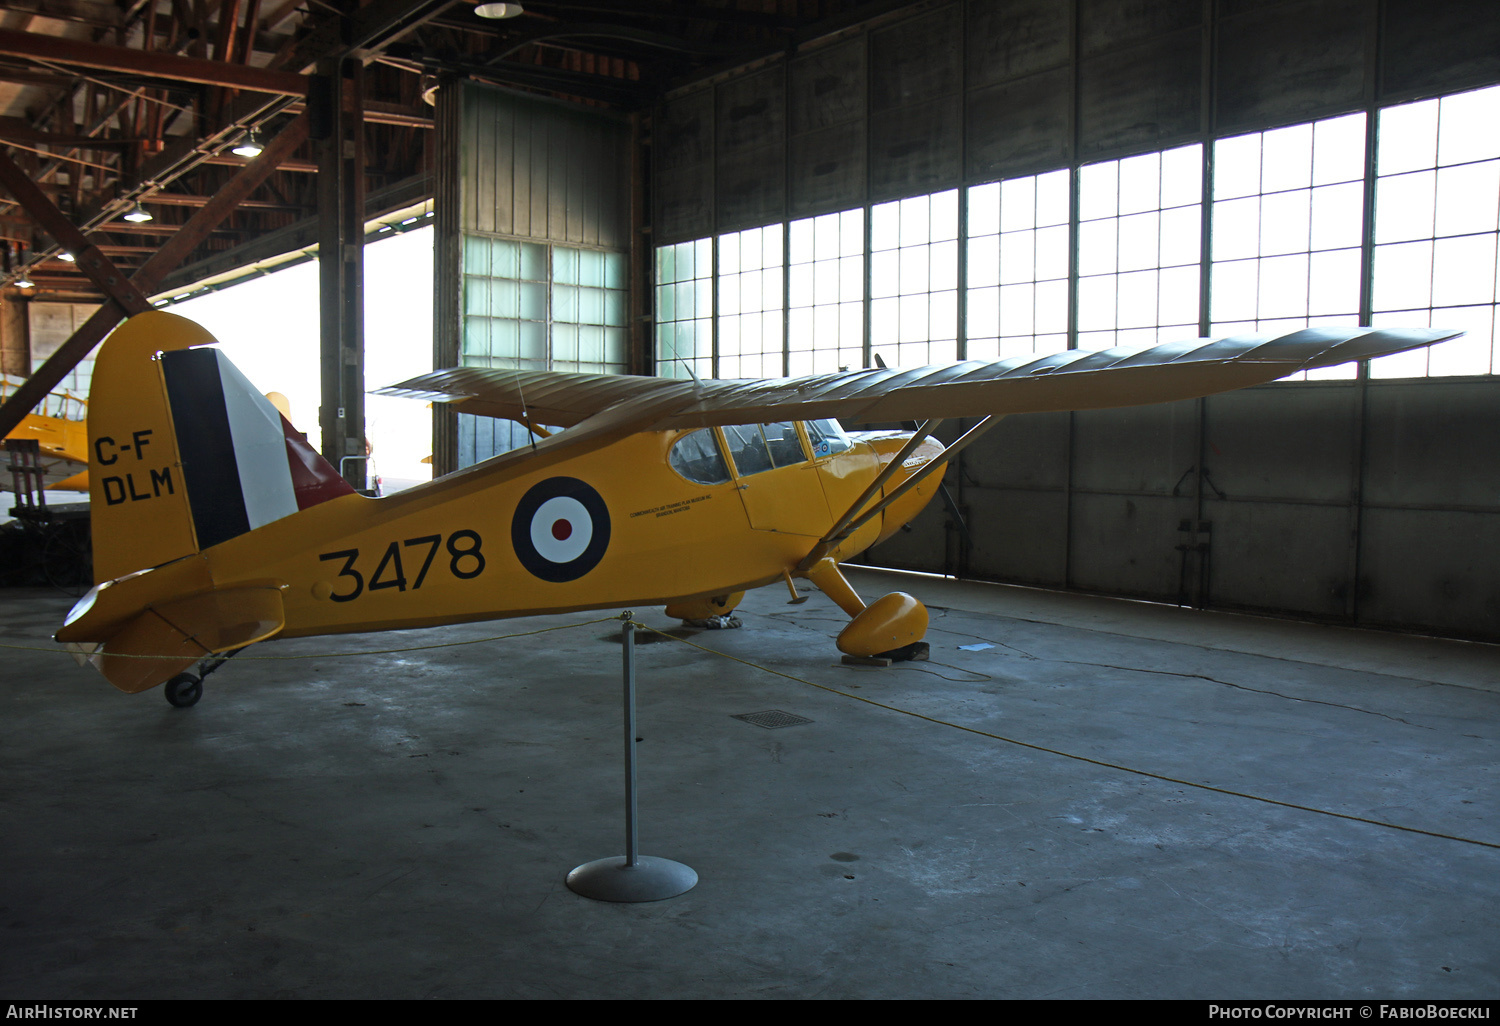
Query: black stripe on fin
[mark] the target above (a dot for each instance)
(196, 394)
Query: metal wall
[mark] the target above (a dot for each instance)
(1374, 503)
(522, 167)
(959, 93)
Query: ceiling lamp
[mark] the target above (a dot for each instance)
(23, 282)
(249, 146)
(498, 11)
(67, 257)
(138, 214)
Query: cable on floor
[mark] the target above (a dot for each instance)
(1084, 758)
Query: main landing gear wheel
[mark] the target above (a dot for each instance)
(184, 690)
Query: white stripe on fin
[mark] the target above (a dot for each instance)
(259, 448)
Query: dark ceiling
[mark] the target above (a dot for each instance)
(106, 104)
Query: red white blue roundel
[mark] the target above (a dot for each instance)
(560, 530)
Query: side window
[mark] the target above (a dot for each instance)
(785, 446)
(827, 437)
(696, 457)
(747, 448)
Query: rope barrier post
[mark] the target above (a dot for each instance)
(633, 876)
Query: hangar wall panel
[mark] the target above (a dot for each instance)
(683, 165)
(1435, 570)
(1292, 62)
(526, 187)
(970, 92)
(1434, 445)
(750, 149)
(1436, 46)
(1359, 502)
(1374, 504)
(1124, 544)
(827, 126)
(1283, 557)
(1030, 542)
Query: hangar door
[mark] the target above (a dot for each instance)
(1362, 503)
(532, 250)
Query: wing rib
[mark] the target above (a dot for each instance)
(1073, 380)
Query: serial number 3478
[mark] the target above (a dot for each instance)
(465, 561)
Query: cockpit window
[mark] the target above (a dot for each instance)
(785, 446)
(696, 457)
(747, 448)
(827, 437)
(756, 448)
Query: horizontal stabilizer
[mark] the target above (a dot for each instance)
(168, 638)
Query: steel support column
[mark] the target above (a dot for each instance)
(642, 358)
(338, 128)
(447, 267)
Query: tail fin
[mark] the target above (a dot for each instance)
(184, 453)
(137, 498)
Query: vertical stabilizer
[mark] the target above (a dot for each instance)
(137, 497)
(184, 452)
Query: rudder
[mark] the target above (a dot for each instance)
(137, 497)
(184, 452)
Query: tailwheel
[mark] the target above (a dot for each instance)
(184, 690)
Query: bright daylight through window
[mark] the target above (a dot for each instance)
(1436, 206)
(1111, 253)
(1287, 217)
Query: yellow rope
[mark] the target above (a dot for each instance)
(1079, 758)
(340, 655)
(858, 698)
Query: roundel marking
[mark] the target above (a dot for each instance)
(560, 529)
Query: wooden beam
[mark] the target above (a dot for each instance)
(155, 65)
(161, 263)
(178, 199)
(96, 15)
(377, 113)
(155, 228)
(228, 160)
(20, 128)
(90, 261)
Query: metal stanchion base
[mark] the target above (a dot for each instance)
(650, 879)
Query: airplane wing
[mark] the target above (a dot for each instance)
(542, 397)
(1072, 380)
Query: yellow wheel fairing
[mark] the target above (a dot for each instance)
(891, 622)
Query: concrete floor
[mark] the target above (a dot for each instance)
(400, 826)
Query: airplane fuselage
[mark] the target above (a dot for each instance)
(613, 528)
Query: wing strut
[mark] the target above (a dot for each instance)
(853, 520)
(838, 531)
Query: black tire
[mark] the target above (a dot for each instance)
(184, 690)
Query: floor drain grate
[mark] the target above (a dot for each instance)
(772, 718)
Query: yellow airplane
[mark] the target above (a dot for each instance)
(217, 526)
(59, 428)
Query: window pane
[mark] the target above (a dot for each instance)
(1437, 198)
(783, 443)
(697, 458)
(1282, 253)
(747, 449)
(827, 437)
(1121, 259)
